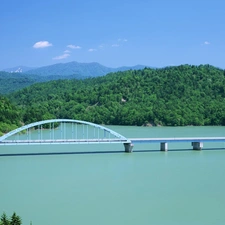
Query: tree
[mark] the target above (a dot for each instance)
(4, 220)
(14, 220)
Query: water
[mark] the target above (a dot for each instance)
(181, 186)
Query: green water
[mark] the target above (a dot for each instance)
(181, 186)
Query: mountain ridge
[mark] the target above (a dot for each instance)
(18, 69)
(11, 81)
(92, 69)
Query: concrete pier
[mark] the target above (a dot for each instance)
(128, 147)
(164, 146)
(197, 145)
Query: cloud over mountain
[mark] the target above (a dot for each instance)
(64, 56)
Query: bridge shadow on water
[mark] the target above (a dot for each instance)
(60, 153)
(105, 152)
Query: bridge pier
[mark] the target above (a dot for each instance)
(164, 146)
(128, 147)
(197, 145)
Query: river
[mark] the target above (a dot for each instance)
(102, 185)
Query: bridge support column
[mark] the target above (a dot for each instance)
(197, 145)
(128, 147)
(164, 146)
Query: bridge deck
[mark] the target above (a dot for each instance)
(133, 140)
(197, 142)
(178, 139)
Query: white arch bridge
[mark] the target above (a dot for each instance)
(64, 131)
(67, 131)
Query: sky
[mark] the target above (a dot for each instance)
(155, 33)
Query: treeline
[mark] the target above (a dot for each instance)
(172, 96)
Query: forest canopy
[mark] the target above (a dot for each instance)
(172, 96)
(10, 116)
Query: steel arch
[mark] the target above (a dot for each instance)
(122, 138)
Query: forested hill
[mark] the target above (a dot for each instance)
(172, 96)
(9, 82)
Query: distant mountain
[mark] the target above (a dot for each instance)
(17, 79)
(18, 69)
(79, 70)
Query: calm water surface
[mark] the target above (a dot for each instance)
(181, 186)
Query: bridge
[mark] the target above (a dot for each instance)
(64, 131)
(67, 131)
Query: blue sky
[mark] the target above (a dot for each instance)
(114, 33)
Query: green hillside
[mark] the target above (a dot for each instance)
(10, 116)
(10, 82)
(172, 96)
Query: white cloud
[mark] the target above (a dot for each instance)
(42, 44)
(64, 56)
(206, 43)
(115, 45)
(67, 51)
(92, 49)
(122, 40)
(73, 46)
